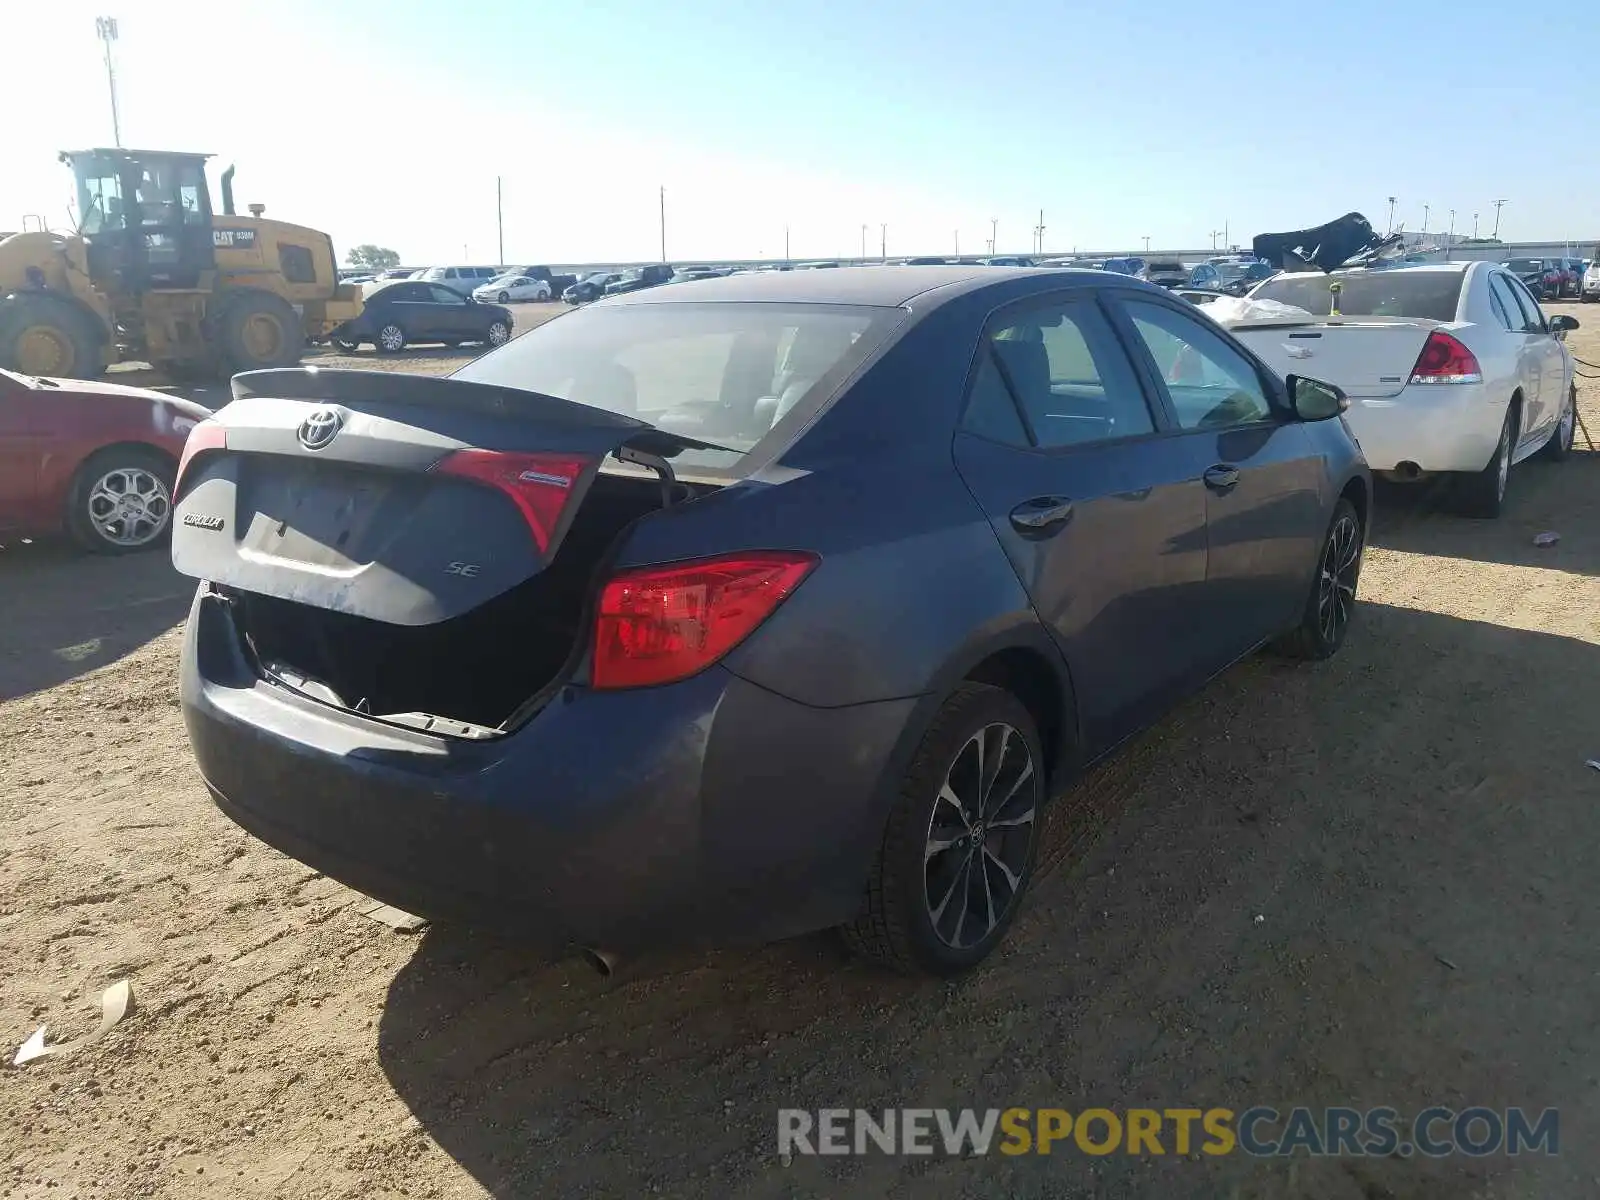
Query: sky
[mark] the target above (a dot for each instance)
(1168, 119)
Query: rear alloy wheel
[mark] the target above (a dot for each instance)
(1560, 443)
(121, 501)
(391, 338)
(499, 333)
(1484, 494)
(959, 848)
(1332, 603)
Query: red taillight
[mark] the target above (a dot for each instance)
(538, 484)
(659, 624)
(1445, 360)
(208, 435)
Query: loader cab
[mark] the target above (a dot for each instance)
(145, 217)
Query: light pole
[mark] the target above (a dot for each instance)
(105, 28)
(1474, 226)
(663, 222)
(785, 243)
(958, 243)
(1038, 233)
(1498, 205)
(863, 243)
(1147, 243)
(500, 219)
(1391, 214)
(1424, 222)
(994, 236)
(883, 242)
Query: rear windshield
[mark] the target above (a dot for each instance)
(733, 374)
(1428, 295)
(1526, 264)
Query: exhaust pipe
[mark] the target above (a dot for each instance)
(604, 962)
(227, 193)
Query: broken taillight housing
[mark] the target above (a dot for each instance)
(661, 624)
(538, 484)
(1445, 360)
(207, 435)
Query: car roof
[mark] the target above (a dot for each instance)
(876, 286)
(1410, 268)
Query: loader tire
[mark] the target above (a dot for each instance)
(258, 330)
(41, 334)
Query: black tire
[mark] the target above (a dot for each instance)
(1330, 605)
(390, 338)
(505, 297)
(257, 330)
(1483, 493)
(897, 926)
(88, 500)
(41, 334)
(1560, 444)
(345, 345)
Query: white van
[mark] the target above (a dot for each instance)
(462, 280)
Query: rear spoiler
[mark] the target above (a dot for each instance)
(433, 391)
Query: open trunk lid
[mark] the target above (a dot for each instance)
(402, 498)
(1369, 357)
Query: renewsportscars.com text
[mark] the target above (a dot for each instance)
(1260, 1131)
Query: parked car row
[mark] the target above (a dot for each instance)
(1552, 278)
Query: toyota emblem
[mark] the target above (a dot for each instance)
(320, 428)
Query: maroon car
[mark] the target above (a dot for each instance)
(93, 459)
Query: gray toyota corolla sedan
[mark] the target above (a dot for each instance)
(749, 606)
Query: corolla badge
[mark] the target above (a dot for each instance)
(320, 428)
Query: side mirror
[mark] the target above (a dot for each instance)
(1561, 324)
(1314, 400)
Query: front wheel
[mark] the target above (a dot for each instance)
(505, 297)
(960, 844)
(1560, 443)
(1329, 608)
(499, 334)
(121, 501)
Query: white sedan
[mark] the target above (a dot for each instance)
(1449, 367)
(507, 288)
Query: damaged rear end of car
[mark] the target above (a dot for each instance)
(389, 545)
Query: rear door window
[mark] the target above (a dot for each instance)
(1532, 315)
(1504, 302)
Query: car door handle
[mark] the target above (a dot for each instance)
(1042, 514)
(1221, 478)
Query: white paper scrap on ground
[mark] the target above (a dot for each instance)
(115, 1003)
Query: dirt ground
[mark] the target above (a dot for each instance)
(1366, 882)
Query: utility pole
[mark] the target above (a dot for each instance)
(1039, 230)
(1424, 222)
(863, 243)
(994, 236)
(1391, 214)
(105, 28)
(1474, 226)
(1498, 205)
(785, 243)
(883, 244)
(663, 222)
(500, 219)
(1215, 234)
(958, 243)
(1226, 243)
(1147, 243)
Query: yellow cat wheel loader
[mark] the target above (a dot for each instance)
(154, 275)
